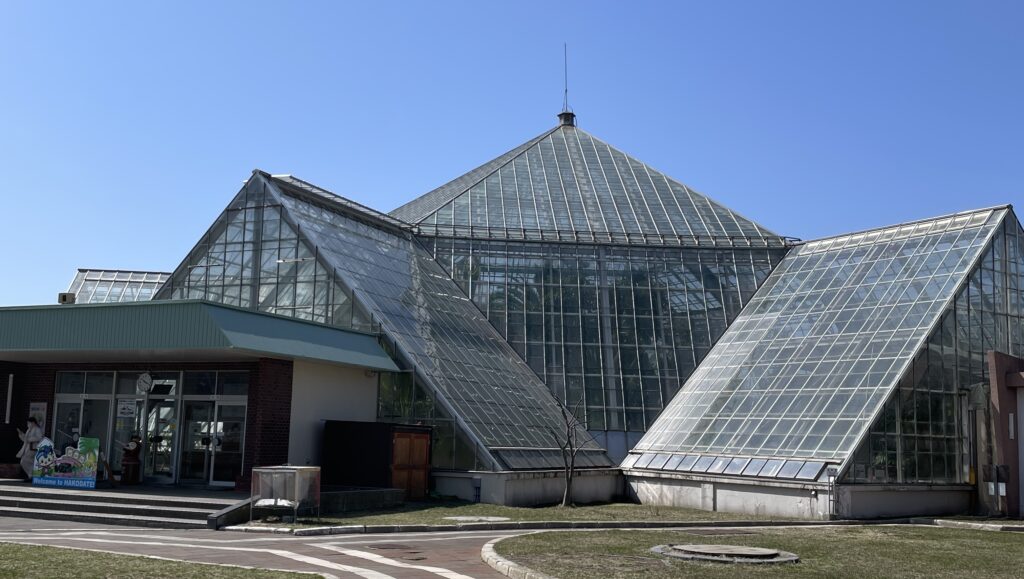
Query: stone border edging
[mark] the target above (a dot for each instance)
(974, 525)
(506, 567)
(546, 525)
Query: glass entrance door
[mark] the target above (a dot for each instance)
(67, 419)
(228, 439)
(197, 441)
(161, 424)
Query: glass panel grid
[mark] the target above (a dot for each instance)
(816, 351)
(430, 323)
(570, 182)
(92, 286)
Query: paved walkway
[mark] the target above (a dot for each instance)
(416, 555)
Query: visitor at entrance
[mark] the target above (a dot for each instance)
(29, 437)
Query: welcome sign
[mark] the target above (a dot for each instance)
(75, 468)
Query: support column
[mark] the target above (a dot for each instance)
(268, 417)
(1006, 378)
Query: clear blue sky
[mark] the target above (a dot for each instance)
(126, 128)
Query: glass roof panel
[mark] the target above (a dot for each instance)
(141, 287)
(567, 180)
(816, 351)
(688, 462)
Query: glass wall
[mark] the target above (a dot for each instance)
(177, 445)
(253, 258)
(613, 330)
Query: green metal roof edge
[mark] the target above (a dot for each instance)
(186, 324)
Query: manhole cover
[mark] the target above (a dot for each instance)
(726, 553)
(478, 519)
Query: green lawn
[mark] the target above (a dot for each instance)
(434, 513)
(855, 552)
(31, 561)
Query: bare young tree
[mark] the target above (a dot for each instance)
(569, 442)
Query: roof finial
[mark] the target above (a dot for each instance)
(565, 76)
(566, 118)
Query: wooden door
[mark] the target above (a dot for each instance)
(410, 463)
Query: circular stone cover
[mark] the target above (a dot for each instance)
(726, 554)
(478, 519)
(727, 551)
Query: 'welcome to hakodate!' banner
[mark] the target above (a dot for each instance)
(76, 468)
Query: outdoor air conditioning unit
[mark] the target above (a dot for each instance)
(65, 298)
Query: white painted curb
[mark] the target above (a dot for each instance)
(506, 567)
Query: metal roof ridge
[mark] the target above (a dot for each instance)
(913, 222)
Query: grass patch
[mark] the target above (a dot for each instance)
(34, 561)
(434, 513)
(855, 552)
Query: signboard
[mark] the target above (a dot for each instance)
(126, 408)
(75, 468)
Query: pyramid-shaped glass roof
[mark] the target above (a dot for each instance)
(812, 359)
(567, 184)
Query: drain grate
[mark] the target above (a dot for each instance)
(394, 546)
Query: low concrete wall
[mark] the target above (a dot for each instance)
(530, 488)
(805, 501)
(792, 499)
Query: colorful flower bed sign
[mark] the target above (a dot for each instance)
(76, 468)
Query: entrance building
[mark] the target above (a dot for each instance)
(209, 390)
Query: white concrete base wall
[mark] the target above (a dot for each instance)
(527, 489)
(800, 501)
(326, 392)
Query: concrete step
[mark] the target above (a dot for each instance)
(55, 514)
(56, 495)
(104, 508)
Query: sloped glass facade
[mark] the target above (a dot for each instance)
(921, 435)
(97, 286)
(455, 354)
(286, 247)
(802, 373)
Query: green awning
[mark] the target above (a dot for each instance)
(178, 329)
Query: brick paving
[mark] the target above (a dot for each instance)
(450, 555)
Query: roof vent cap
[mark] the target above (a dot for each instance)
(567, 119)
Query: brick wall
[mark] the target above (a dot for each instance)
(268, 420)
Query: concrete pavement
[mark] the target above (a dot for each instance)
(453, 555)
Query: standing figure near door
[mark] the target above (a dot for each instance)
(32, 435)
